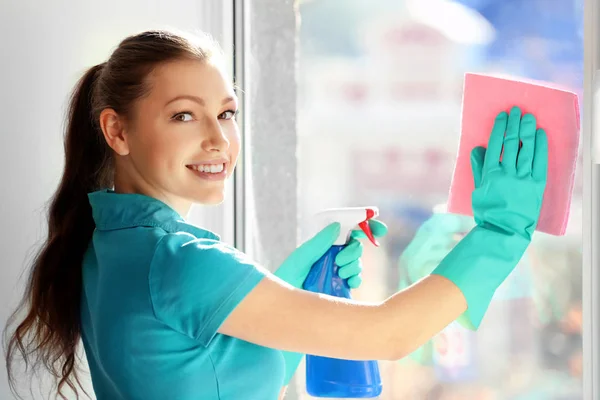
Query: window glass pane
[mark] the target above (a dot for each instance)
(380, 86)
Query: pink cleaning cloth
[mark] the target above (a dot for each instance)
(556, 111)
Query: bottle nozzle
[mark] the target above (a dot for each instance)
(367, 230)
(350, 218)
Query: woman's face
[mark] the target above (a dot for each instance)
(182, 139)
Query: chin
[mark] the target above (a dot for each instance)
(210, 198)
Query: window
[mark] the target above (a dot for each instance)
(379, 93)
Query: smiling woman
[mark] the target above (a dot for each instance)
(153, 127)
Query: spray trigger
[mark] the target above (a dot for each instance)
(367, 230)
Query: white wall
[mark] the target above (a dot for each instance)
(45, 46)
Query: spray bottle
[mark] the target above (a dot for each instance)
(329, 377)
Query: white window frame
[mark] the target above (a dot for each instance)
(266, 177)
(240, 44)
(591, 201)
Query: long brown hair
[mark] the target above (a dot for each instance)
(50, 332)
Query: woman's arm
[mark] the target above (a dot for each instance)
(278, 316)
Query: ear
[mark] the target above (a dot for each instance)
(113, 129)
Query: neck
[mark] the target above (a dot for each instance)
(123, 185)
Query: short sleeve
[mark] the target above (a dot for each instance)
(196, 283)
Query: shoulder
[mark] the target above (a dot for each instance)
(183, 248)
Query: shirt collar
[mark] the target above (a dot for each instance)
(113, 211)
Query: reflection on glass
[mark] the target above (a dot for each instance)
(380, 86)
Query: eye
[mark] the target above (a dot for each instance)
(184, 116)
(229, 114)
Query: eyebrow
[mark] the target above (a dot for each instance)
(197, 99)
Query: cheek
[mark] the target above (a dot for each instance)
(158, 147)
(234, 143)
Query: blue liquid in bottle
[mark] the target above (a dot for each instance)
(330, 377)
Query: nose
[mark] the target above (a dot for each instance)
(215, 138)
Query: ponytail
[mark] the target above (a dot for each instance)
(50, 332)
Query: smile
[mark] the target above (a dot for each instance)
(209, 168)
(211, 172)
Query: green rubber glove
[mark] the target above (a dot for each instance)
(296, 267)
(509, 186)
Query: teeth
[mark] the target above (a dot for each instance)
(210, 168)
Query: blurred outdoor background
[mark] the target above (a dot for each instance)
(380, 85)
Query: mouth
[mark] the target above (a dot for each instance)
(215, 170)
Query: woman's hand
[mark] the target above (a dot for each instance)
(296, 267)
(510, 180)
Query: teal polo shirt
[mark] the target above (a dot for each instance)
(155, 291)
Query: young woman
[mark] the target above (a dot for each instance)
(167, 311)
